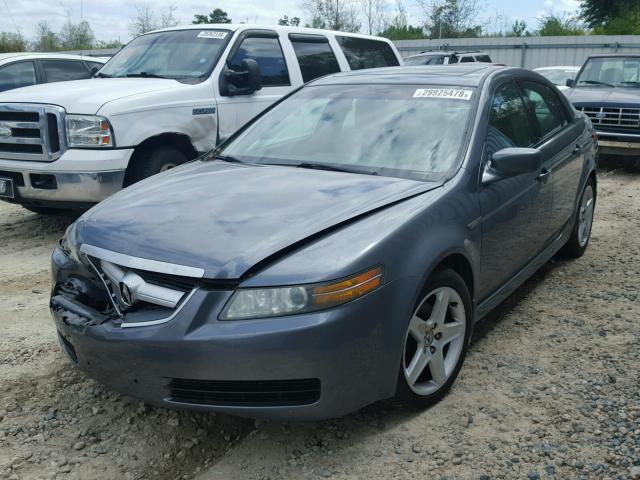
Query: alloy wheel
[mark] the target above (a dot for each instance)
(434, 341)
(585, 216)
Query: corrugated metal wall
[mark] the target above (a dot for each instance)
(530, 52)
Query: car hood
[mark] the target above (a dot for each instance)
(225, 218)
(88, 96)
(601, 96)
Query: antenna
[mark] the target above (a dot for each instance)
(11, 16)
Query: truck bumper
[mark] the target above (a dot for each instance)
(78, 178)
(613, 143)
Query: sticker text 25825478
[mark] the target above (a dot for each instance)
(452, 93)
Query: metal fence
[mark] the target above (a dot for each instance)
(530, 52)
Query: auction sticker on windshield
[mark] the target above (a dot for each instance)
(212, 34)
(452, 93)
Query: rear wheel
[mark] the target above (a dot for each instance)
(436, 340)
(581, 233)
(153, 160)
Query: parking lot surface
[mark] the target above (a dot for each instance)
(550, 388)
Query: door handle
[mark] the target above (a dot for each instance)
(578, 149)
(544, 175)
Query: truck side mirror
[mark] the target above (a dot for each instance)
(243, 82)
(93, 71)
(569, 82)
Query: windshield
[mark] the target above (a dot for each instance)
(611, 71)
(557, 76)
(425, 60)
(394, 130)
(178, 54)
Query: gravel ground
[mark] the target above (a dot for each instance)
(550, 388)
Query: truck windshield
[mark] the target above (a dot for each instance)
(178, 54)
(392, 130)
(611, 72)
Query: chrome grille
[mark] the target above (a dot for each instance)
(31, 132)
(613, 116)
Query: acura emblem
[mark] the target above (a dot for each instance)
(5, 132)
(127, 295)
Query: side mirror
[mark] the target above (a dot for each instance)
(510, 162)
(93, 71)
(569, 83)
(243, 82)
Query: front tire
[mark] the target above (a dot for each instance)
(581, 233)
(151, 161)
(436, 340)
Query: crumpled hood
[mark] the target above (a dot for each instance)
(87, 96)
(601, 96)
(225, 218)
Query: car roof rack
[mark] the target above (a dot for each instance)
(454, 52)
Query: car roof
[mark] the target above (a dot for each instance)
(605, 55)
(463, 75)
(451, 52)
(278, 28)
(54, 56)
(557, 67)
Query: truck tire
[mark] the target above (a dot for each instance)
(151, 161)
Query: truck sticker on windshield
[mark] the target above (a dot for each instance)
(212, 34)
(452, 93)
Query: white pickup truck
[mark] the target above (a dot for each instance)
(165, 98)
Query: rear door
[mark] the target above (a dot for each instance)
(560, 148)
(266, 48)
(514, 209)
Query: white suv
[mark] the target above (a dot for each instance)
(164, 99)
(447, 58)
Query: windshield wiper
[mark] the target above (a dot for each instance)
(324, 166)
(102, 75)
(226, 158)
(145, 75)
(635, 84)
(596, 82)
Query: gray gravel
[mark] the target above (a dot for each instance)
(550, 389)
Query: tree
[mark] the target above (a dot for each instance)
(559, 25)
(76, 36)
(289, 22)
(519, 29)
(399, 28)
(375, 15)
(333, 14)
(216, 16)
(46, 40)
(143, 22)
(12, 42)
(613, 17)
(167, 20)
(452, 18)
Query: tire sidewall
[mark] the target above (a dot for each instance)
(440, 278)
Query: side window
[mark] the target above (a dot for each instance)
(268, 53)
(546, 106)
(483, 58)
(454, 59)
(509, 121)
(95, 64)
(314, 55)
(467, 60)
(367, 53)
(16, 75)
(62, 70)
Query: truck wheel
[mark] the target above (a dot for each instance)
(151, 161)
(45, 210)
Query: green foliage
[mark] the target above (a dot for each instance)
(216, 16)
(405, 32)
(46, 40)
(454, 19)
(598, 13)
(289, 22)
(519, 29)
(12, 42)
(107, 44)
(76, 36)
(559, 25)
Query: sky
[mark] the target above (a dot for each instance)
(110, 19)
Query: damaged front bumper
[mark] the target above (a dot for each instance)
(308, 366)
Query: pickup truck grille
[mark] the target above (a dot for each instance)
(613, 116)
(31, 132)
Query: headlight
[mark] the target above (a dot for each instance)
(88, 131)
(277, 301)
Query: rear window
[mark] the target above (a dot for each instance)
(425, 60)
(314, 55)
(367, 53)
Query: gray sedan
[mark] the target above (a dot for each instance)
(334, 252)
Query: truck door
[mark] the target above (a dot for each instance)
(265, 48)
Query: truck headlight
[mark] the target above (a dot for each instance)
(88, 131)
(249, 303)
